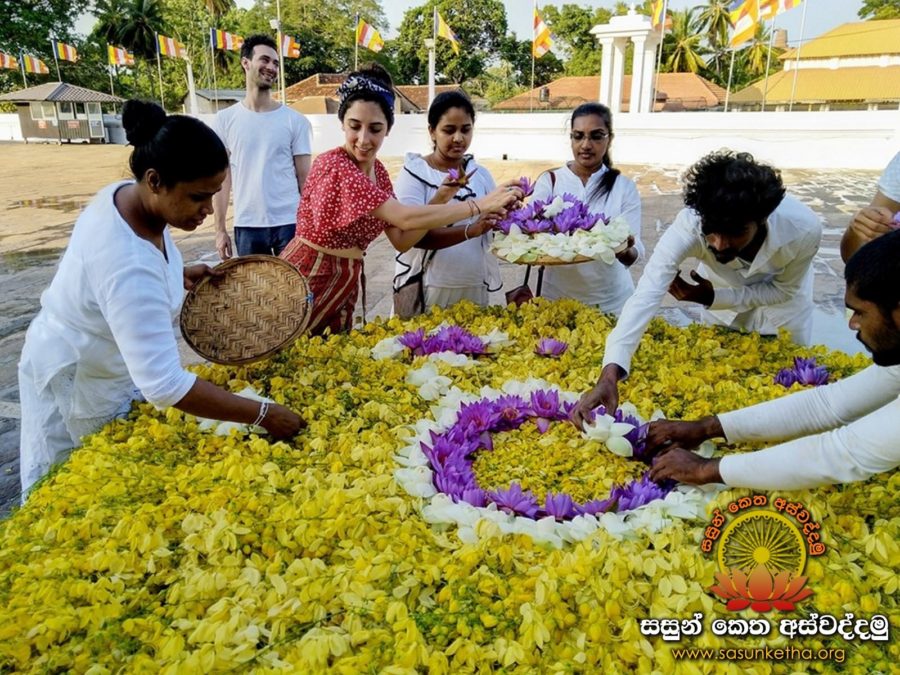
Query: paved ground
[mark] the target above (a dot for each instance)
(42, 189)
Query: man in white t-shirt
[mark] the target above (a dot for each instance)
(754, 245)
(843, 432)
(875, 219)
(269, 146)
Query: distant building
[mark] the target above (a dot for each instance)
(213, 100)
(676, 92)
(856, 66)
(317, 94)
(56, 111)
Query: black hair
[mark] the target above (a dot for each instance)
(730, 190)
(609, 178)
(381, 77)
(178, 147)
(254, 40)
(873, 272)
(444, 102)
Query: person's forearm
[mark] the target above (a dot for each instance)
(205, 399)
(850, 244)
(445, 237)
(612, 372)
(711, 427)
(220, 203)
(411, 217)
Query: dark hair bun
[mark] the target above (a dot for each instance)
(142, 120)
(376, 72)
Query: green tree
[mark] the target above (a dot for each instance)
(480, 26)
(756, 56)
(571, 27)
(716, 22)
(516, 55)
(879, 9)
(682, 48)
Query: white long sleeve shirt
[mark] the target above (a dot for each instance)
(771, 292)
(593, 283)
(468, 263)
(109, 311)
(843, 432)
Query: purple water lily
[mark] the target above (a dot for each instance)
(895, 221)
(559, 505)
(550, 347)
(804, 371)
(447, 339)
(414, 341)
(568, 220)
(453, 174)
(512, 411)
(596, 506)
(514, 501)
(526, 186)
(638, 492)
(474, 496)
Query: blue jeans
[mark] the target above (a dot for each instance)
(265, 240)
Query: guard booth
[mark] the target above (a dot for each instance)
(59, 112)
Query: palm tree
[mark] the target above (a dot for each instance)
(683, 51)
(716, 22)
(219, 7)
(142, 23)
(111, 15)
(757, 56)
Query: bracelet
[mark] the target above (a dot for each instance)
(476, 206)
(466, 231)
(263, 411)
(471, 209)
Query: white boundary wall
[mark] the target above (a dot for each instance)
(802, 140)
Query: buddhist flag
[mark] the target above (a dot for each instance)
(7, 61)
(64, 51)
(290, 48)
(119, 56)
(443, 30)
(744, 17)
(658, 12)
(34, 65)
(368, 37)
(222, 40)
(543, 40)
(771, 8)
(170, 47)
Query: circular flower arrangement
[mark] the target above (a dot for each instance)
(558, 231)
(440, 462)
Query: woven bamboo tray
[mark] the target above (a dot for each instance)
(259, 306)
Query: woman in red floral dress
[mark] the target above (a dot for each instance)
(348, 200)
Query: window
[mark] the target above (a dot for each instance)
(48, 108)
(66, 111)
(93, 109)
(80, 112)
(35, 110)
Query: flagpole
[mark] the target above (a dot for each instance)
(356, 44)
(768, 62)
(112, 89)
(159, 72)
(797, 63)
(432, 55)
(22, 61)
(662, 37)
(533, 36)
(730, 72)
(212, 54)
(53, 44)
(281, 56)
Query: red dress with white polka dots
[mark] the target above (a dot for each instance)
(335, 213)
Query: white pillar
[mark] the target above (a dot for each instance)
(606, 71)
(635, 102)
(618, 73)
(647, 93)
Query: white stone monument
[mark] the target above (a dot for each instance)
(614, 38)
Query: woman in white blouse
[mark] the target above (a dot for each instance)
(457, 260)
(591, 178)
(104, 335)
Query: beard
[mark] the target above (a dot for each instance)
(887, 357)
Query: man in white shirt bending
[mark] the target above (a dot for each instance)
(843, 432)
(755, 247)
(269, 147)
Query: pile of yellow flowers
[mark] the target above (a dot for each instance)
(161, 548)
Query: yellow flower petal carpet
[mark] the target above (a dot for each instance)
(158, 547)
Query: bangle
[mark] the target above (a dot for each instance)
(476, 206)
(471, 209)
(466, 231)
(263, 411)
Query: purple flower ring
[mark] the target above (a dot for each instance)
(439, 465)
(804, 371)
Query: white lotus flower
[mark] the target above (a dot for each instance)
(417, 481)
(387, 348)
(496, 339)
(555, 207)
(619, 445)
(451, 358)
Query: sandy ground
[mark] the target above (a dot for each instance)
(43, 188)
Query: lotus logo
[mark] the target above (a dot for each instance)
(760, 591)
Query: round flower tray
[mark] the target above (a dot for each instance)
(546, 260)
(260, 305)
